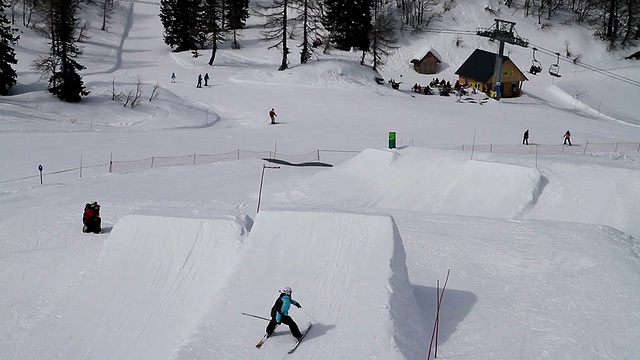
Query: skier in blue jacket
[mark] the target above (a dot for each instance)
(280, 313)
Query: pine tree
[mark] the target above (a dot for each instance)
(348, 23)
(213, 25)
(236, 15)
(181, 19)
(65, 82)
(310, 16)
(8, 75)
(106, 11)
(277, 23)
(382, 33)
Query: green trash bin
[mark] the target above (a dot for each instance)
(392, 139)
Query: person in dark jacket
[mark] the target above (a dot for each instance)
(91, 218)
(525, 138)
(280, 313)
(567, 137)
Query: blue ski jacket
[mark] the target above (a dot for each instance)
(281, 307)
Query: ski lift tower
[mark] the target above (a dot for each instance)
(503, 31)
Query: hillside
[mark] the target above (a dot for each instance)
(541, 241)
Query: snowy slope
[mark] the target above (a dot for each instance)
(543, 250)
(152, 281)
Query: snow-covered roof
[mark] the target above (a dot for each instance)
(419, 55)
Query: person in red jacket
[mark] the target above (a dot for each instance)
(91, 218)
(272, 115)
(567, 137)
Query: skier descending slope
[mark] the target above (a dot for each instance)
(280, 313)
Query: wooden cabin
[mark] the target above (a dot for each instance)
(478, 70)
(426, 61)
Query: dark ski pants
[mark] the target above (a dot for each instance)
(285, 320)
(93, 225)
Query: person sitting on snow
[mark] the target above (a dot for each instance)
(91, 218)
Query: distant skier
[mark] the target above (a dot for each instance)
(199, 81)
(91, 218)
(280, 313)
(567, 138)
(206, 79)
(173, 77)
(525, 138)
(459, 95)
(272, 115)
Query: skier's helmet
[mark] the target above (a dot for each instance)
(286, 291)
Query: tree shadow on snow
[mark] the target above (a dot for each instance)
(456, 305)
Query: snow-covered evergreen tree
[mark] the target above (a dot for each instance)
(8, 37)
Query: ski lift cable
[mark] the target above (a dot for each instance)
(592, 68)
(451, 31)
(588, 66)
(552, 54)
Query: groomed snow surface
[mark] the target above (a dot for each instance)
(542, 249)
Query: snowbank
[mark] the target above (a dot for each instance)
(151, 282)
(435, 181)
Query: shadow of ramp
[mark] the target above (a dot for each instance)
(287, 163)
(456, 305)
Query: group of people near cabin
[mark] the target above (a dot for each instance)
(566, 137)
(444, 88)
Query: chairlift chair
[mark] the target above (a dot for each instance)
(536, 66)
(554, 69)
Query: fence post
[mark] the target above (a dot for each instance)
(585, 148)
(238, 154)
(318, 154)
(152, 159)
(473, 145)
(638, 147)
(490, 148)
(616, 150)
(194, 159)
(111, 163)
(80, 166)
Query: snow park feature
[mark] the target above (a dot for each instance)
(541, 240)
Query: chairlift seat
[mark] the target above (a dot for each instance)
(554, 70)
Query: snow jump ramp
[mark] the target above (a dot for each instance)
(145, 292)
(348, 271)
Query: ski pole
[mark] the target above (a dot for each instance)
(256, 316)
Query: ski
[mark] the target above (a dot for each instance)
(261, 342)
(300, 340)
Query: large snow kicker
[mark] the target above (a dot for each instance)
(144, 293)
